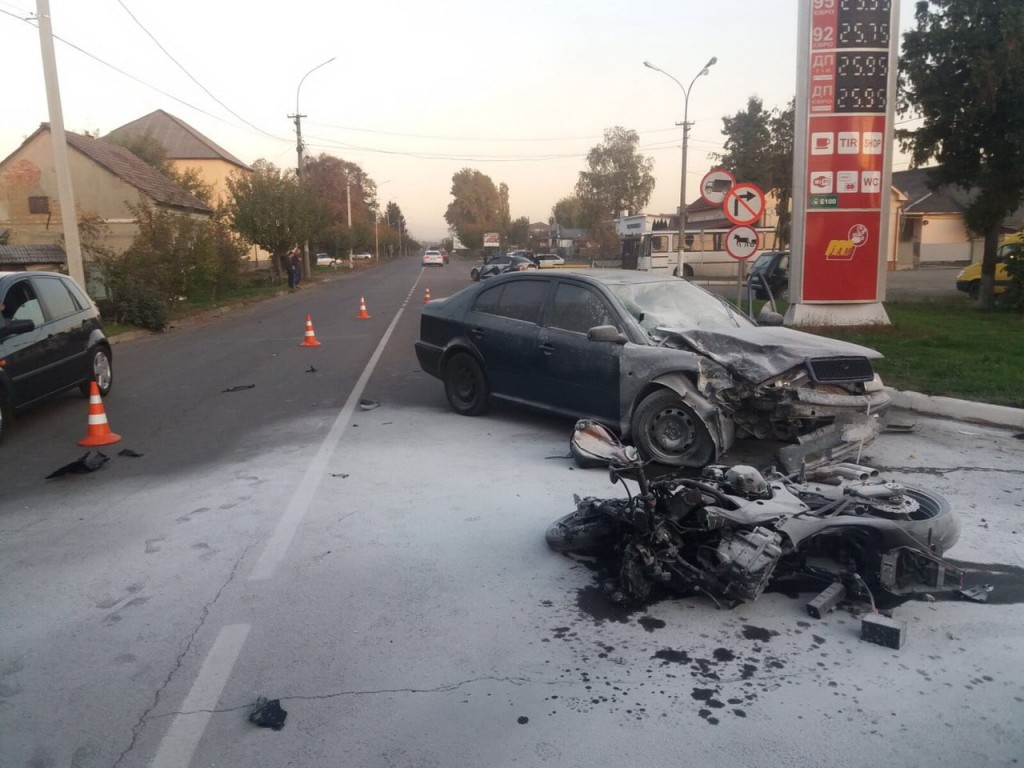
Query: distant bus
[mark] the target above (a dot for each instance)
(704, 257)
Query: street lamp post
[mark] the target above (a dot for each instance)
(298, 117)
(686, 135)
(298, 144)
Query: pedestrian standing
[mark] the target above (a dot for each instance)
(292, 264)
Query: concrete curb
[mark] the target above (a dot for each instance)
(961, 410)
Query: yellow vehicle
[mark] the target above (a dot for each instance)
(969, 278)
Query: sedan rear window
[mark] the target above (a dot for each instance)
(517, 300)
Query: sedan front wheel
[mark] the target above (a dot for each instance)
(668, 431)
(465, 385)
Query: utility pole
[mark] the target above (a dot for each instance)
(298, 145)
(65, 192)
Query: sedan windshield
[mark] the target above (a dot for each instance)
(677, 304)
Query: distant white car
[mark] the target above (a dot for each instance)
(362, 255)
(325, 260)
(433, 258)
(548, 259)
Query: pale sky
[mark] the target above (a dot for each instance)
(418, 90)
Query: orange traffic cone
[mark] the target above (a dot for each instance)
(310, 338)
(363, 314)
(426, 296)
(99, 430)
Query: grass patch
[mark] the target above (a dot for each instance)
(948, 348)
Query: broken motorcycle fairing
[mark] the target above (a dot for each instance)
(730, 531)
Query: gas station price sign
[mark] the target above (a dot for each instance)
(848, 74)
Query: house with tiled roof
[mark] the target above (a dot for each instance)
(184, 148)
(107, 181)
(931, 228)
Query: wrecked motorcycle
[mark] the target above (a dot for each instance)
(730, 531)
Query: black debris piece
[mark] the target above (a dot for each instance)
(90, 462)
(342, 475)
(267, 714)
(883, 630)
(1019, 436)
(130, 453)
(978, 594)
(368, 405)
(311, 369)
(239, 388)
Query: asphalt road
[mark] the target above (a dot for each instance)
(381, 570)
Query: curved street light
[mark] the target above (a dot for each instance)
(686, 134)
(298, 117)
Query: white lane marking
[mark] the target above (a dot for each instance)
(279, 541)
(180, 742)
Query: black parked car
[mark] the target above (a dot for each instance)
(51, 339)
(502, 263)
(665, 363)
(771, 269)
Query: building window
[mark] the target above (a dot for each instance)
(39, 204)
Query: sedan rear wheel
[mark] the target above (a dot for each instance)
(102, 372)
(669, 431)
(465, 385)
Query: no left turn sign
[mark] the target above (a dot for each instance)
(743, 204)
(741, 242)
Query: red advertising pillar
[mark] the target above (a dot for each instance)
(842, 166)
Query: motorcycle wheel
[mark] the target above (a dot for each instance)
(932, 524)
(581, 531)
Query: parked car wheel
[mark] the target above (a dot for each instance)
(668, 431)
(465, 385)
(102, 373)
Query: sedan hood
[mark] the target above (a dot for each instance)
(759, 353)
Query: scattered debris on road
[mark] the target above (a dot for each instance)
(268, 714)
(90, 462)
(239, 388)
(368, 405)
(130, 453)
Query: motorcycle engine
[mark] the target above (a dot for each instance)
(747, 560)
(746, 481)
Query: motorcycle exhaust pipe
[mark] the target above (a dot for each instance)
(852, 471)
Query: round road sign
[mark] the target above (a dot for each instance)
(743, 204)
(715, 184)
(741, 242)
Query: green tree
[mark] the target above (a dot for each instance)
(342, 186)
(962, 73)
(475, 207)
(617, 178)
(270, 208)
(569, 212)
(518, 231)
(759, 149)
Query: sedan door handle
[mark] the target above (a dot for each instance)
(477, 333)
(547, 348)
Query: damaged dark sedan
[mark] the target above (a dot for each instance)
(672, 368)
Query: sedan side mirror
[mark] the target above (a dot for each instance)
(606, 333)
(768, 317)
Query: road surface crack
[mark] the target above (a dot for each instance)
(141, 722)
